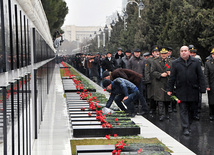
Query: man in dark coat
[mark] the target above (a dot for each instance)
(160, 70)
(133, 77)
(136, 62)
(118, 58)
(209, 78)
(187, 76)
(149, 79)
(124, 91)
(108, 63)
(94, 68)
(125, 59)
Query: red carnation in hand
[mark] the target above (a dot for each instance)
(105, 89)
(179, 101)
(167, 66)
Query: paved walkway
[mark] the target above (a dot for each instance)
(55, 134)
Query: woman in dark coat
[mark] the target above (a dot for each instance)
(209, 78)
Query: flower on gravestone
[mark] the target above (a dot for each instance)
(118, 123)
(83, 109)
(108, 136)
(139, 151)
(103, 125)
(116, 119)
(114, 152)
(115, 135)
(89, 114)
(107, 125)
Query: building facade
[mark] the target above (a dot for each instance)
(79, 33)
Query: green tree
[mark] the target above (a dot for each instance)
(55, 10)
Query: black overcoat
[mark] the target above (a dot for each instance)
(188, 79)
(209, 78)
(108, 65)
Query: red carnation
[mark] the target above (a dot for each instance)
(116, 119)
(179, 101)
(89, 114)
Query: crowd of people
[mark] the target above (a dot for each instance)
(150, 79)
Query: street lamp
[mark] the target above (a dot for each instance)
(140, 5)
(113, 23)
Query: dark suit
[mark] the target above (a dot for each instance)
(188, 78)
(108, 65)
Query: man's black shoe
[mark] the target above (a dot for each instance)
(175, 110)
(197, 118)
(161, 118)
(143, 113)
(186, 132)
(167, 116)
(152, 112)
(132, 115)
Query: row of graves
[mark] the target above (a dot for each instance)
(97, 130)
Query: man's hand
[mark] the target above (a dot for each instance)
(126, 97)
(164, 74)
(168, 73)
(169, 93)
(208, 89)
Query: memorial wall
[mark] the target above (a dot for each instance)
(27, 61)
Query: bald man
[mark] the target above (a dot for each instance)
(187, 76)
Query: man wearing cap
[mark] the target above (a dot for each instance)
(136, 62)
(209, 78)
(146, 55)
(108, 63)
(149, 79)
(118, 58)
(193, 53)
(187, 75)
(173, 104)
(126, 58)
(124, 91)
(170, 53)
(160, 70)
(133, 77)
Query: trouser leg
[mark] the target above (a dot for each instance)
(161, 108)
(129, 102)
(118, 100)
(153, 105)
(142, 99)
(211, 107)
(184, 114)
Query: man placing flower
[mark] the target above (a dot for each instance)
(124, 91)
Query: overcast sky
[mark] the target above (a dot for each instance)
(90, 12)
